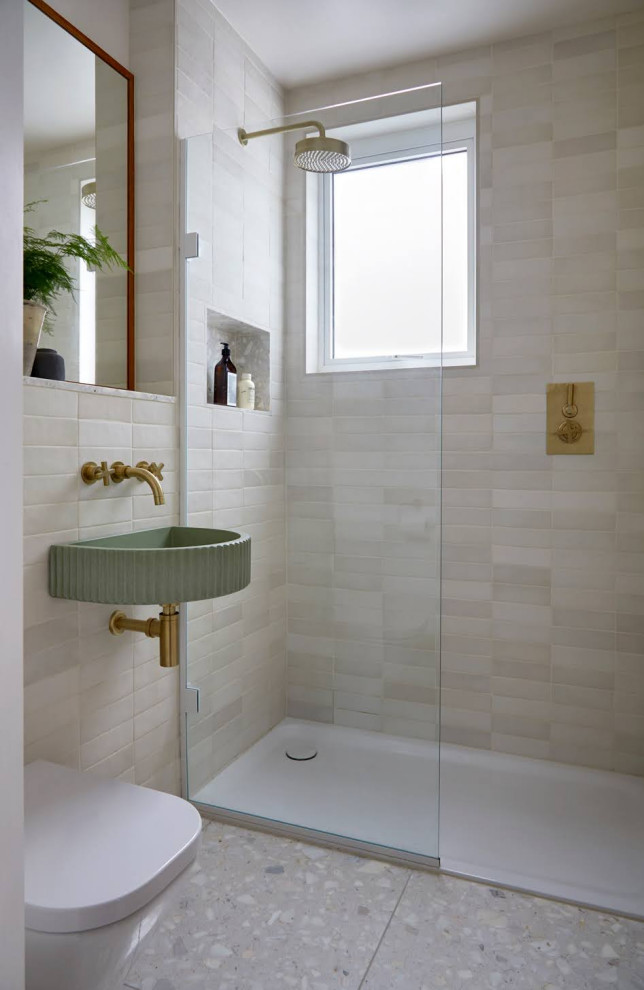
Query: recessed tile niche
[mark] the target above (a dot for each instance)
(250, 351)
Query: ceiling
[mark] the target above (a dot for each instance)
(304, 41)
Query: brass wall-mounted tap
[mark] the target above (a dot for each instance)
(91, 472)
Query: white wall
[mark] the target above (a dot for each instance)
(110, 32)
(11, 887)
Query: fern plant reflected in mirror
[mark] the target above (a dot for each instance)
(46, 275)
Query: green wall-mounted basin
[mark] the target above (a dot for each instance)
(154, 566)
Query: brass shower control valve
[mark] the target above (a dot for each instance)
(570, 400)
(570, 430)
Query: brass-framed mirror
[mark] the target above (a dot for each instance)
(79, 182)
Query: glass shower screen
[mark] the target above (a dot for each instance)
(319, 683)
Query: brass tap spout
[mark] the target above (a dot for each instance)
(143, 472)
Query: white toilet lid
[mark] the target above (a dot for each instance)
(97, 850)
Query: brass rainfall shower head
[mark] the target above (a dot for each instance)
(313, 154)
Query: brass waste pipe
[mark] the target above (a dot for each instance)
(165, 628)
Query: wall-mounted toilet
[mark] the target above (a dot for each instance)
(101, 857)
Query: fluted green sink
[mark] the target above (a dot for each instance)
(154, 566)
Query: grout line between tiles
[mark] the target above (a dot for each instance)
(387, 926)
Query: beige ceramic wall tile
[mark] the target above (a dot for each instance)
(541, 572)
(236, 651)
(83, 700)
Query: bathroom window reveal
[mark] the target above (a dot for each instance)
(397, 260)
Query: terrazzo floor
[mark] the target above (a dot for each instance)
(535, 825)
(259, 912)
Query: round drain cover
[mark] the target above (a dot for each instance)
(301, 751)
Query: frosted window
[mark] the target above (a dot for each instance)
(387, 264)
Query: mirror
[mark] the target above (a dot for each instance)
(79, 183)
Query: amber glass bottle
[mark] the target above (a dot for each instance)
(225, 390)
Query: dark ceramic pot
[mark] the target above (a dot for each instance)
(49, 364)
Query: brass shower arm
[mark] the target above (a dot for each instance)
(244, 136)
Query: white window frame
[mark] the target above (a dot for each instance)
(320, 200)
